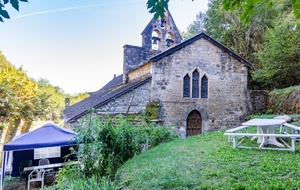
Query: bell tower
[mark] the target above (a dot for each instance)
(161, 34)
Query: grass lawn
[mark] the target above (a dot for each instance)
(208, 161)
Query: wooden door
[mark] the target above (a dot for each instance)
(194, 124)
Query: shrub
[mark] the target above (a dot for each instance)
(105, 143)
(70, 178)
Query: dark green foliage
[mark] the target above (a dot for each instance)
(157, 7)
(70, 178)
(14, 4)
(280, 55)
(249, 7)
(107, 143)
(243, 39)
(269, 40)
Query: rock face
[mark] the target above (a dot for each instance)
(285, 101)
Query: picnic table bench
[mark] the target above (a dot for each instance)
(266, 134)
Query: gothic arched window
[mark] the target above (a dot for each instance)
(204, 87)
(195, 84)
(186, 86)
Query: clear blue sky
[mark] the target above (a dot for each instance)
(78, 44)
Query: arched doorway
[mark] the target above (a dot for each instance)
(193, 123)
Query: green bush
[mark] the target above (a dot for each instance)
(105, 143)
(70, 178)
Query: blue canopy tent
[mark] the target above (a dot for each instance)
(48, 135)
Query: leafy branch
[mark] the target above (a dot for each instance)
(158, 7)
(14, 4)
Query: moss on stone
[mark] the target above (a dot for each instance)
(152, 109)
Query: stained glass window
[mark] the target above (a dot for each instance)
(186, 86)
(195, 84)
(204, 87)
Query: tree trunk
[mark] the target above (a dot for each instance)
(26, 126)
(1, 133)
(12, 130)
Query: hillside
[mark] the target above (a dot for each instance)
(286, 100)
(208, 161)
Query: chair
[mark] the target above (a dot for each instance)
(24, 163)
(45, 161)
(36, 175)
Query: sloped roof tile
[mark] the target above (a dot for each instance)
(100, 98)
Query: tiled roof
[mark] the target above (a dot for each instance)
(111, 84)
(195, 38)
(101, 97)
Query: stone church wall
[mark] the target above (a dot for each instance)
(134, 101)
(226, 104)
(257, 101)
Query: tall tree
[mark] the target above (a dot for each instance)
(22, 99)
(244, 39)
(196, 27)
(280, 55)
(25, 89)
(9, 105)
(251, 6)
(227, 28)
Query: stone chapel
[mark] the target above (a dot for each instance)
(200, 84)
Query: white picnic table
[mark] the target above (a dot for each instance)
(50, 166)
(266, 134)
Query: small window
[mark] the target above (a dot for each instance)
(49, 152)
(195, 84)
(186, 86)
(204, 87)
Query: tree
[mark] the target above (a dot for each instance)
(54, 100)
(227, 28)
(21, 100)
(14, 4)
(244, 39)
(24, 99)
(249, 7)
(8, 106)
(196, 27)
(280, 55)
(25, 90)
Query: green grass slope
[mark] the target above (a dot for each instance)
(208, 161)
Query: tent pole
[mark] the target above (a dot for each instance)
(3, 169)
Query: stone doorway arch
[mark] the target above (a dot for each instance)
(184, 116)
(193, 123)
